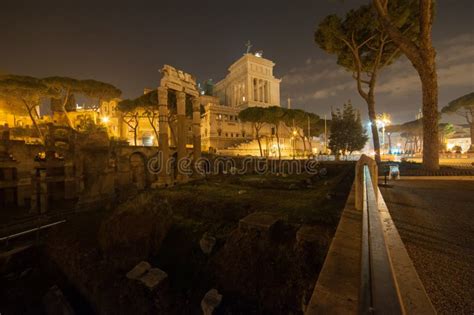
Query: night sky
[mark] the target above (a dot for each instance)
(126, 42)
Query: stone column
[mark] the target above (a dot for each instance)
(181, 145)
(258, 90)
(268, 92)
(196, 129)
(164, 177)
(265, 92)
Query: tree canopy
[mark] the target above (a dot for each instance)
(12, 105)
(357, 40)
(363, 48)
(99, 90)
(413, 126)
(463, 106)
(66, 86)
(347, 132)
(26, 90)
(254, 115)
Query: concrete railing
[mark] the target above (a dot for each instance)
(367, 269)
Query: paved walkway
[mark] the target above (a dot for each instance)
(435, 220)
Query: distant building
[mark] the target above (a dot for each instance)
(250, 82)
(460, 138)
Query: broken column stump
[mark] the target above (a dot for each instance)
(263, 223)
(152, 278)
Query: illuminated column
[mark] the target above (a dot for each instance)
(258, 90)
(181, 145)
(265, 86)
(196, 129)
(269, 91)
(254, 89)
(164, 173)
(248, 90)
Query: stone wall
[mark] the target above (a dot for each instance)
(95, 173)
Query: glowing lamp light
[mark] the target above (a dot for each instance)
(105, 119)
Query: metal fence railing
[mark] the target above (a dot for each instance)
(8, 238)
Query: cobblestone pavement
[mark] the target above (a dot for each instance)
(435, 220)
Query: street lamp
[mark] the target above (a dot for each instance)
(383, 120)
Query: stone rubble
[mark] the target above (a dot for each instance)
(207, 243)
(55, 303)
(139, 270)
(150, 277)
(153, 278)
(211, 301)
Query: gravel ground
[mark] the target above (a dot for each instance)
(435, 220)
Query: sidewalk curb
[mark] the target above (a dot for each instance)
(465, 178)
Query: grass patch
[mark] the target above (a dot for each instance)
(217, 204)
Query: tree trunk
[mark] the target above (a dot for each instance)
(63, 108)
(310, 147)
(429, 83)
(304, 145)
(278, 141)
(471, 149)
(258, 140)
(422, 56)
(373, 125)
(33, 120)
(151, 120)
